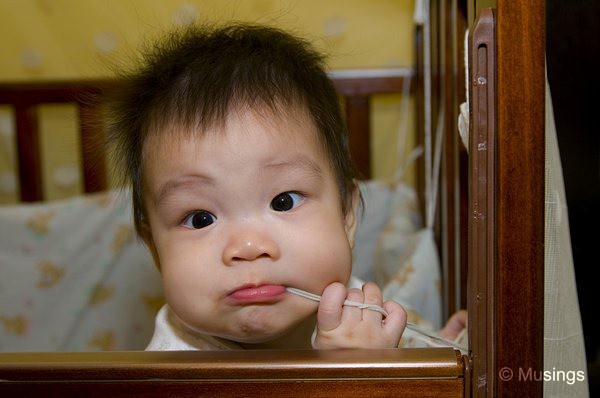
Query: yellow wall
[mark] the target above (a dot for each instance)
(71, 39)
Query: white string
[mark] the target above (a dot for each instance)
(430, 337)
(410, 159)
(427, 101)
(348, 303)
(437, 158)
(402, 130)
(403, 163)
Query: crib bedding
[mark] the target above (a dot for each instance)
(74, 277)
(394, 249)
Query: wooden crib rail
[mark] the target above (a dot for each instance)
(355, 86)
(423, 372)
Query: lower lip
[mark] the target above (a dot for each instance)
(258, 294)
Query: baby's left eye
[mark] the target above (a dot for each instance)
(286, 201)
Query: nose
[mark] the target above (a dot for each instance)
(249, 245)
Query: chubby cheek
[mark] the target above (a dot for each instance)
(183, 277)
(328, 259)
(180, 283)
(191, 297)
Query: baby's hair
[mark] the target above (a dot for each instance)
(196, 76)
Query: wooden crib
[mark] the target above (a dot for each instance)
(490, 233)
(24, 98)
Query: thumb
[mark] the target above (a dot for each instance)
(329, 314)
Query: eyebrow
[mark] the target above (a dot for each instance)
(300, 163)
(171, 186)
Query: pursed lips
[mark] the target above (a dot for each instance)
(253, 293)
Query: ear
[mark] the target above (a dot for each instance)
(351, 218)
(146, 234)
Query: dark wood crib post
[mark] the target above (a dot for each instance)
(92, 148)
(28, 153)
(357, 116)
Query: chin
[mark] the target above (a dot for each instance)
(260, 332)
(258, 327)
(250, 340)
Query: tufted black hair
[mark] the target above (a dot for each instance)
(196, 76)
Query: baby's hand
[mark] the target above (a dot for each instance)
(341, 326)
(455, 325)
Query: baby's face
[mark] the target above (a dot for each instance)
(239, 213)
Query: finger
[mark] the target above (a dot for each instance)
(455, 325)
(462, 318)
(394, 323)
(329, 314)
(373, 296)
(353, 314)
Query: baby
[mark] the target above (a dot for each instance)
(236, 150)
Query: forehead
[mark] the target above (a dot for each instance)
(262, 134)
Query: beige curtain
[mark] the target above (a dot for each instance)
(563, 335)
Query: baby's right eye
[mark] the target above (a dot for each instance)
(199, 219)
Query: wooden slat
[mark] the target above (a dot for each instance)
(92, 148)
(28, 153)
(358, 120)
